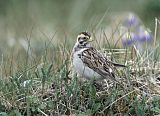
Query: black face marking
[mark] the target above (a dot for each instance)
(82, 39)
(81, 42)
(86, 34)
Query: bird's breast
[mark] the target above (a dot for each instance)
(82, 69)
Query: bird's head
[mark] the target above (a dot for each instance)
(84, 39)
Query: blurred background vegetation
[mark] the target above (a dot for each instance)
(19, 17)
(38, 20)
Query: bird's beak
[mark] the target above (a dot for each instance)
(91, 39)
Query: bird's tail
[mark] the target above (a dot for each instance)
(119, 65)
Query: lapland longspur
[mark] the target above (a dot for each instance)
(89, 62)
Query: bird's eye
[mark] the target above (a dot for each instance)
(85, 38)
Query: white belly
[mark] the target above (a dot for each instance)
(82, 69)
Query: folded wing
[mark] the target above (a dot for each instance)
(98, 62)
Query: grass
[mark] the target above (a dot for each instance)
(42, 82)
(47, 85)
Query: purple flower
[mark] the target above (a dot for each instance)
(131, 20)
(144, 35)
(127, 42)
(140, 36)
(129, 39)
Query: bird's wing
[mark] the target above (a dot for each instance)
(98, 62)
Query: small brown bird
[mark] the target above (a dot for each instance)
(89, 62)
